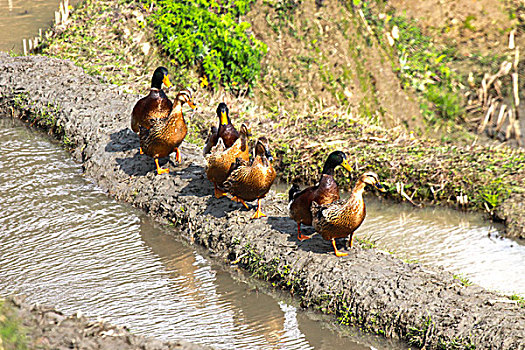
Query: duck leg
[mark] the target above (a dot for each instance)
(218, 192)
(258, 212)
(300, 236)
(159, 169)
(337, 252)
(178, 157)
(351, 240)
(239, 200)
(141, 151)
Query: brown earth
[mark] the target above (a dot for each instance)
(47, 328)
(424, 305)
(319, 58)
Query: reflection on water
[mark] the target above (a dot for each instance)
(21, 19)
(63, 242)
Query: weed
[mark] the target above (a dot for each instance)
(12, 335)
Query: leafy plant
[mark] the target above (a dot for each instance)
(208, 34)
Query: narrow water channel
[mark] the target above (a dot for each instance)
(65, 243)
(21, 19)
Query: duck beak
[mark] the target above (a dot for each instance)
(191, 104)
(224, 118)
(345, 165)
(380, 187)
(166, 81)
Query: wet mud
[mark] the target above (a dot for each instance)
(423, 305)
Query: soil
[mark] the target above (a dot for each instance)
(47, 328)
(424, 305)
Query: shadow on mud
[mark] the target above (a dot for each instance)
(123, 141)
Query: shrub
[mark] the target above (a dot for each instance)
(208, 34)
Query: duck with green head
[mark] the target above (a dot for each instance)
(156, 105)
(324, 192)
(340, 219)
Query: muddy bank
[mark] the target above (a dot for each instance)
(423, 305)
(47, 328)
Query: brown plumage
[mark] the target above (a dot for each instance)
(340, 219)
(324, 192)
(226, 131)
(154, 106)
(248, 182)
(166, 134)
(220, 160)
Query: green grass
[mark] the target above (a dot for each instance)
(12, 334)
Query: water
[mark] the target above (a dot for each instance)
(464, 243)
(22, 19)
(65, 243)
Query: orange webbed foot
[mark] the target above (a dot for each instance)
(160, 171)
(258, 213)
(300, 236)
(337, 252)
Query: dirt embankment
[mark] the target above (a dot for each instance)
(46, 328)
(425, 306)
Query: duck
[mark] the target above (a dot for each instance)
(166, 134)
(220, 160)
(156, 105)
(248, 182)
(226, 130)
(341, 218)
(324, 192)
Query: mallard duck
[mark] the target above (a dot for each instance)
(324, 192)
(154, 106)
(248, 182)
(226, 130)
(220, 160)
(342, 218)
(166, 134)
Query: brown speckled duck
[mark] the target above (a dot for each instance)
(342, 218)
(166, 134)
(248, 182)
(226, 131)
(154, 106)
(324, 192)
(221, 159)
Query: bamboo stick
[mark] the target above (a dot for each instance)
(501, 117)
(510, 127)
(25, 47)
(57, 17)
(487, 116)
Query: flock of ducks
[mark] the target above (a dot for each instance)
(161, 128)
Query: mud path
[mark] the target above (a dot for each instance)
(423, 305)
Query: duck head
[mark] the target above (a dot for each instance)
(223, 113)
(184, 96)
(335, 159)
(371, 178)
(160, 76)
(262, 148)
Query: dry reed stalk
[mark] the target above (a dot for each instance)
(501, 117)
(483, 125)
